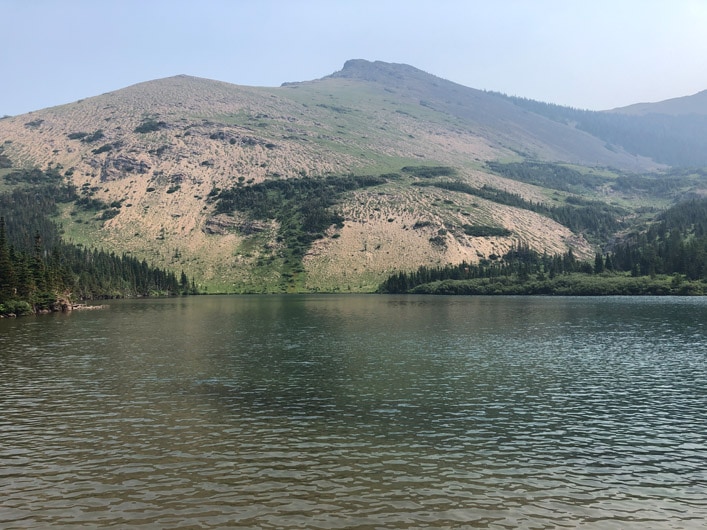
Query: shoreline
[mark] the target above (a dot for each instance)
(57, 308)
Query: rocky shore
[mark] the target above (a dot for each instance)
(60, 306)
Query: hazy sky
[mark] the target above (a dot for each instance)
(595, 54)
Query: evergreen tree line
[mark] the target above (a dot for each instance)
(520, 261)
(37, 268)
(594, 218)
(676, 245)
(40, 277)
(27, 213)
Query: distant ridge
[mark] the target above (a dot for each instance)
(695, 104)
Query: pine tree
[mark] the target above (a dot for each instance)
(38, 267)
(7, 273)
(25, 280)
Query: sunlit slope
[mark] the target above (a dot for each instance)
(154, 157)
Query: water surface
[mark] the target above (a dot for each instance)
(357, 412)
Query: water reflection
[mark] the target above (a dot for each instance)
(357, 411)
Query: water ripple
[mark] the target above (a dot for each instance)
(390, 413)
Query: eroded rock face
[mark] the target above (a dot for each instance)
(219, 225)
(118, 167)
(223, 224)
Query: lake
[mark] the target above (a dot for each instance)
(357, 411)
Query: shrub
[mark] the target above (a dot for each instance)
(98, 135)
(15, 307)
(438, 241)
(109, 214)
(430, 171)
(486, 231)
(150, 126)
(102, 149)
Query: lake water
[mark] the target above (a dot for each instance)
(357, 412)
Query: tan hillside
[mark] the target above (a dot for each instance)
(157, 151)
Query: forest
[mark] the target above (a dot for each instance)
(40, 272)
(670, 257)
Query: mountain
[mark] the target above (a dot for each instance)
(489, 116)
(671, 132)
(695, 104)
(325, 185)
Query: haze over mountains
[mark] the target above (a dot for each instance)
(181, 172)
(695, 104)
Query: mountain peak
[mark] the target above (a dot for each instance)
(380, 72)
(362, 66)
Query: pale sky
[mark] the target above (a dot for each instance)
(595, 54)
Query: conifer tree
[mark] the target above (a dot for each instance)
(7, 273)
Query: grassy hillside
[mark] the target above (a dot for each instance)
(328, 185)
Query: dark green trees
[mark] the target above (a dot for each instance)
(7, 272)
(37, 267)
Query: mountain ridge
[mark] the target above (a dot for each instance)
(158, 156)
(691, 104)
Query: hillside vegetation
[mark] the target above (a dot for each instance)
(333, 184)
(669, 258)
(41, 272)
